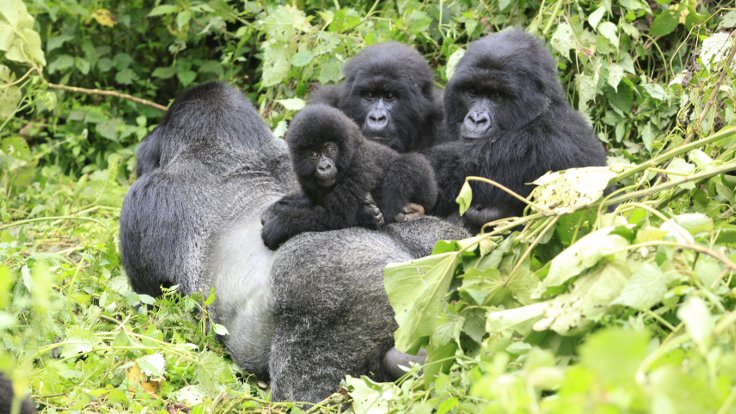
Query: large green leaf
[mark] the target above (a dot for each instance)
(416, 290)
(17, 38)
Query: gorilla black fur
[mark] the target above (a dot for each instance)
(507, 107)
(389, 92)
(7, 395)
(326, 145)
(305, 315)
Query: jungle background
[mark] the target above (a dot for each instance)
(619, 305)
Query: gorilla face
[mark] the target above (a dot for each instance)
(504, 81)
(322, 144)
(324, 163)
(389, 92)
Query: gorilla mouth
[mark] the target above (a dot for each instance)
(327, 181)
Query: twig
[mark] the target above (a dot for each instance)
(104, 92)
(510, 192)
(661, 187)
(722, 134)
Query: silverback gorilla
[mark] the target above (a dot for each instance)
(345, 180)
(389, 92)
(308, 314)
(506, 107)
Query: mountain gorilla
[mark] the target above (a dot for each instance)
(305, 315)
(7, 396)
(506, 105)
(389, 92)
(347, 180)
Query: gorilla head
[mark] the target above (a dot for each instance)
(389, 92)
(503, 82)
(322, 143)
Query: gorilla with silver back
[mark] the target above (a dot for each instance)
(195, 222)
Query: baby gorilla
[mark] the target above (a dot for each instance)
(344, 179)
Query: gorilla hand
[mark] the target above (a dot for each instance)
(371, 215)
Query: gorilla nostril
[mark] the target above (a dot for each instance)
(478, 118)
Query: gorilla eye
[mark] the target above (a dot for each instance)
(389, 96)
(471, 93)
(330, 150)
(312, 155)
(369, 95)
(496, 96)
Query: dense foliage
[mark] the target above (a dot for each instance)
(624, 304)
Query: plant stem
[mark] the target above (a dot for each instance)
(107, 93)
(726, 132)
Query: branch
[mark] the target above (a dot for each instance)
(107, 93)
(716, 88)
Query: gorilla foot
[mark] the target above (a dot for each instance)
(410, 212)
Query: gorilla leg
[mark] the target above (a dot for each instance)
(409, 179)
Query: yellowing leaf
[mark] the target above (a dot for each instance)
(568, 190)
(104, 17)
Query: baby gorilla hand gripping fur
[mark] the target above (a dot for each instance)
(341, 174)
(507, 107)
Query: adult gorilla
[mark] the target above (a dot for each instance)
(506, 105)
(389, 92)
(316, 306)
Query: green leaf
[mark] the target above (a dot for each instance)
(582, 255)
(615, 74)
(302, 58)
(615, 355)
(663, 24)
(182, 19)
(715, 49)
(698, 321)
(587, 302)
(418, 22)
(163, 9)
(164, 72)
(563, 40)
(17, 38)
(416, 290)
(186, 77)
(276, 65)
(465, 197)
(9, 99)
(370, 397)
(125, 76)
(60, 63)
(610, 32)
(153, 365)
(596, 17)
(645, 288)
(292, 104)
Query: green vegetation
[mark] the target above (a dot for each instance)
(621, 305)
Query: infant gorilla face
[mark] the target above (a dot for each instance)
(323, 160)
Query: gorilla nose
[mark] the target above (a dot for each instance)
(475, 125)
(479, 119)
(324, 168)
(377, 120)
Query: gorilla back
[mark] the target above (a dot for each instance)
(213, 151)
